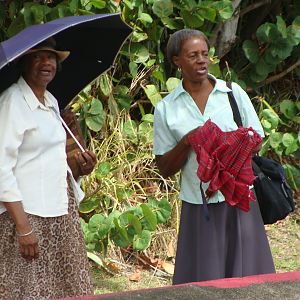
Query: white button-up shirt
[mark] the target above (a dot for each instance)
(177, 114)
(33, 165)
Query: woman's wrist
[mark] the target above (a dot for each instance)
(24, 234)
(185, 140)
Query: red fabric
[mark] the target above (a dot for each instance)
(224, 159)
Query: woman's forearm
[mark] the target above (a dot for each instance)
(171, 162)
(17, 213)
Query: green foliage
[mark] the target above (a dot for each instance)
(126, 202)
(133, 227)
(273, 45)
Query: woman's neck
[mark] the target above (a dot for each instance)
(199, 86)
(38, 90)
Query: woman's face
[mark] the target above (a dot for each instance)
(193, 59)
(40, 68)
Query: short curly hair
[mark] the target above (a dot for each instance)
(176, 40)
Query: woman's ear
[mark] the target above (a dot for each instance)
(176, 61)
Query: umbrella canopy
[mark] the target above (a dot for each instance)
(225, 160)
(93, 40)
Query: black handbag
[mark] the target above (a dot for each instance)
(274, 196)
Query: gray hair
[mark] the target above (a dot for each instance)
(176, 41)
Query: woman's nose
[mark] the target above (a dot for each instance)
(200, 58)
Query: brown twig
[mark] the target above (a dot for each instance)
(254, 6)
(277, 76)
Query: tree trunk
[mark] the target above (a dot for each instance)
(225, 36)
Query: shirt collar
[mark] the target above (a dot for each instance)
(31, 99)
(220, 85)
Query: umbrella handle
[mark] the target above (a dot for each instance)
(69, 130)
(71, 134)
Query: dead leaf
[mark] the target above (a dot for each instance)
(171, 250)
(168, 267)
(135, 276)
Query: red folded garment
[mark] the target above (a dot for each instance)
(224, 159)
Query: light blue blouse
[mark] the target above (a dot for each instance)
(177, 114)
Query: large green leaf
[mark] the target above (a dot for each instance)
(163, 8)
(172, 83)
(171, 23)
(164, 212)
(281, 26)
(191, 19)
(135, 223)
(262, 68)
(142, 241)
(224, 8)
(139, 36)
(145, 18)
(275, 139)
(146, 133)
(96, 107)
(288, 139)
(89, 205)
(119, 235)
(16, 26)
(98, 3)
(149, 216)
(271, 117)
(130, 130)
(288, 108)
(271, 59)
(293, 175)
(98, 223)
(267, 33)
(149, 118)
(95, 115)
(281, 48)
(121, 93)
(207, 13)
(152, 94)
(293, 31)
(105, 85)
(292, 148)
(251, 51)
(104, 168)
(138, 53)
(124, 193)
(256, 77)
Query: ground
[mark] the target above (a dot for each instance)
(284, 238)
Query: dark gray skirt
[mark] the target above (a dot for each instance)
(232, 243)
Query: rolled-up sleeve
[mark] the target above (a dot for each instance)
(11, 136)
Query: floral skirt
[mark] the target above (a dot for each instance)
(62, 268)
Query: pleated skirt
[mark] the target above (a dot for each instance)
(62, 268)
(232, 243)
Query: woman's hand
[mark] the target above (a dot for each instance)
(29, 246)
(86, 161)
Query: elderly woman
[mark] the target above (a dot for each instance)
(231, 243)
(42, 248)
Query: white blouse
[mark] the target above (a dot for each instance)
(33, 165)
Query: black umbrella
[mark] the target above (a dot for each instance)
(93, 40)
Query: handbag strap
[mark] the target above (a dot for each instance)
(235, 109)
(238, 120)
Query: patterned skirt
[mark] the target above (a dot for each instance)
(62, 268)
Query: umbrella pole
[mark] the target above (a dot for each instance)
(71, 133)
